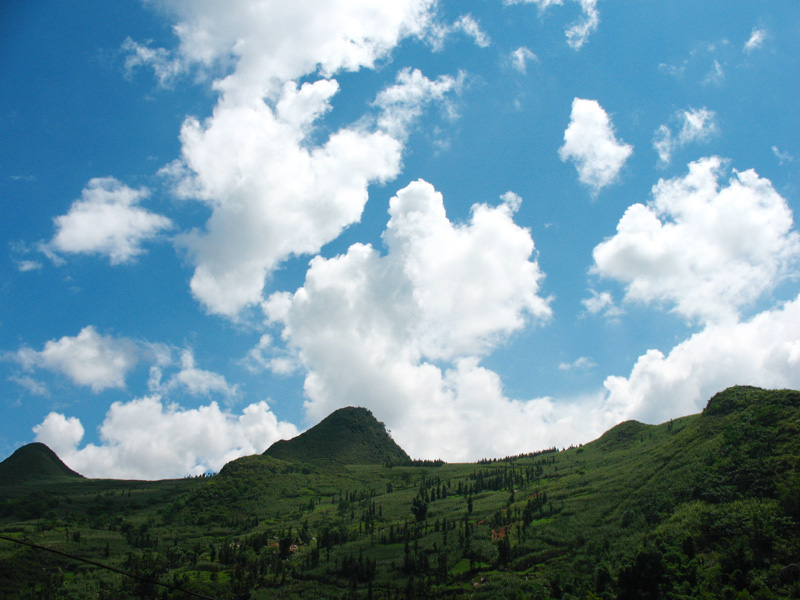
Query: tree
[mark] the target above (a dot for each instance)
(284, 546)
(420, 509)
(504, 551)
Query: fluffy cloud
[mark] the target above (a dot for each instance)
(197, 382)
(102, 362)
(589, 141)
(578, 33)
(263, 44)
(368, 328)
(764, 351)
(60, 433)
(274, 189)
(470, 283)
(696, 125)
(145, 439)
(271, 194)
(90, 359)
(705, 250)
(107, 220)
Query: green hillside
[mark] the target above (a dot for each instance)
(702, 507)
(349, 435)
(34, 462)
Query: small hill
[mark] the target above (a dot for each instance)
(349, 435)
(739, 398)
(34, 462)
(622, 436)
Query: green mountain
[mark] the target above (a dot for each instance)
(349, 435)
(34, 462)
(702, 507)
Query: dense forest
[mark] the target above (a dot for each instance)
(706, 506)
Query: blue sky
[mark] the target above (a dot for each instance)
(501, 226)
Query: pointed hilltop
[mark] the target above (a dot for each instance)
(34, 463)
(349, 435)
(621, 436)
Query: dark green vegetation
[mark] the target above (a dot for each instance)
(351, 436)
(707, 506)
(34, 462)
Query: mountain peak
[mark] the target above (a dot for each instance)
(739, 397)
(34, 462)
(350, 435)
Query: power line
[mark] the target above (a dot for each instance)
(108, 568)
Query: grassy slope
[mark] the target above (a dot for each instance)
(702, 507)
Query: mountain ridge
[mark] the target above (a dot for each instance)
(34, 462)
(344, 437)
(702, 506)
(350, 435)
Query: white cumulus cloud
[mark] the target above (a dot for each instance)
(146, 439)
(89, 359)
(274, 187)
(262, 44)
(368, 328)
(704, 249)
(107, 220)
(590, 142)
(59, 433)
(763, 351)
(272, 195)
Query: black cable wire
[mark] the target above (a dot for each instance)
(102, 566)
